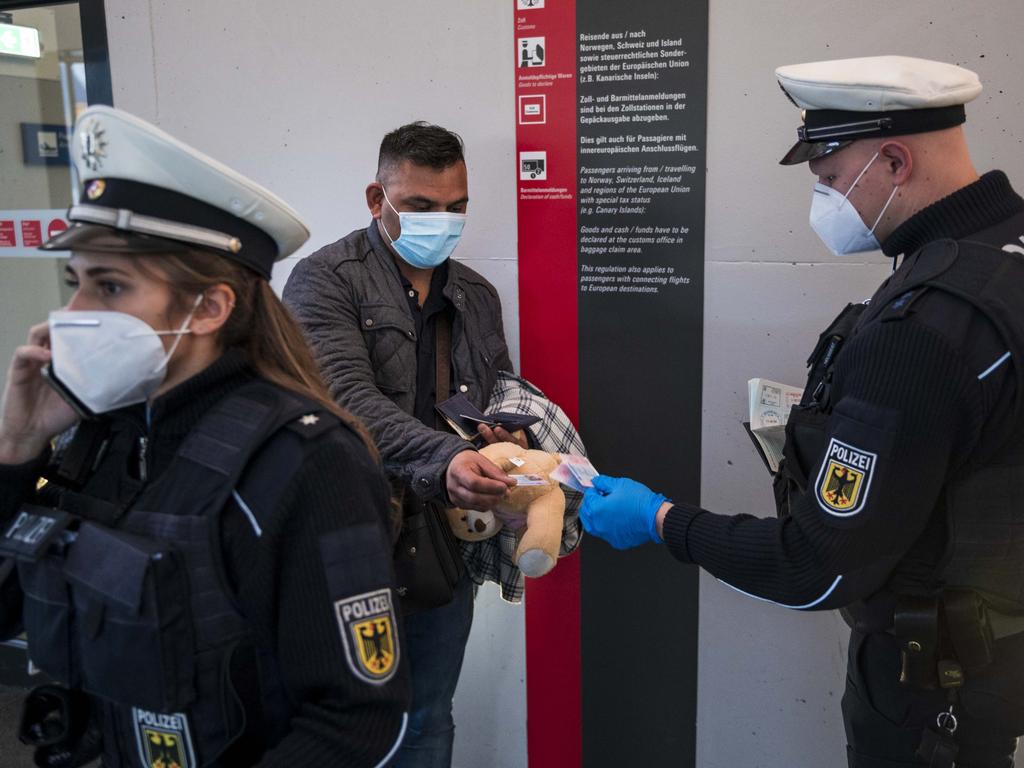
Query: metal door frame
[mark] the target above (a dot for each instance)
(98, 91)
(94, 44)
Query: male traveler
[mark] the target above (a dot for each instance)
(900, 491)
(392, 318)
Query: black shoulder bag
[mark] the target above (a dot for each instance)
(428, 563)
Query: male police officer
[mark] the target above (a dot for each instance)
(900, 492)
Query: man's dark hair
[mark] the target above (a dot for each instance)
(420, 143)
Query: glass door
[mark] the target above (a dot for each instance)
(53, 62)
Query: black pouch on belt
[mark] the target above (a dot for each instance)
(916, 625)
(968, 626)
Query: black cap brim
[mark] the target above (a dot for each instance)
(97, 238)
(803, 151)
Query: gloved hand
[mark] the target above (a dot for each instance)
(621, 511)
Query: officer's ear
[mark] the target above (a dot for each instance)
(213, 310)
(375, 198)
(897, 160)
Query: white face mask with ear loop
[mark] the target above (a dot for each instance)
(835, 220)
(110, 360)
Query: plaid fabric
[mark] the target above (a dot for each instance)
(492, 559)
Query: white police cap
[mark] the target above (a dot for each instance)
(849, 99)
(143, 190)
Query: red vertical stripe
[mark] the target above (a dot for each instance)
(548, 340)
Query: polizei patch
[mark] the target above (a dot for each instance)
(164, 741)
(369, 634)
(845, 479)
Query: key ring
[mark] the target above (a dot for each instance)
(947, 721)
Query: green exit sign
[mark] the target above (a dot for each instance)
(19, 41)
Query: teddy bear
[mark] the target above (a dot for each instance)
(534, 512)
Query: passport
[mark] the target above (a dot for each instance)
(463, 417)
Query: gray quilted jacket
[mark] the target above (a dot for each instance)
(348, 297)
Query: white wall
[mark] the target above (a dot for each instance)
(298, 97)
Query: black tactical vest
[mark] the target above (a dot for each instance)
(979, 520)
(133, 606)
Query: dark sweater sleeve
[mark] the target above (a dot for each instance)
(329, 540)
(907, 408)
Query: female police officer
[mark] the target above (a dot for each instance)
(206, 568)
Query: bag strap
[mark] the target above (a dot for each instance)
(443, 361)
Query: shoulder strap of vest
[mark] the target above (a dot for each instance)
(918, 270)
(926, 263)
(988, 278)
(268, 474)
(208, 466)
(992, 280)
(78, 452)
(213, 456)
(830, 342)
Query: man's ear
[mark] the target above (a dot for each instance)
(375, 198)
(898, 161)
(213, 311)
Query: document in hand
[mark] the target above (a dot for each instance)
(770, 403)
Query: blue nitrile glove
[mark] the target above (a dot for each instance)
(621, 511)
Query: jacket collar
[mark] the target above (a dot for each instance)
(177, 411)
(970, 209)
(454, 287)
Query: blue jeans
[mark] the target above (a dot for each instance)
(434, 643)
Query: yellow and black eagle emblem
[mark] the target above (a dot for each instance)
(163, 739)
(164, 750)
(841, 486)
(845, 478)
(369, 634)
(376, 647)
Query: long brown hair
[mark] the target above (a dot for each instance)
(259, 324)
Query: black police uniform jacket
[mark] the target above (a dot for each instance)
(225, 596)
(904, 466)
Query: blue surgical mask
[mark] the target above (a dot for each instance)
(427, 239)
